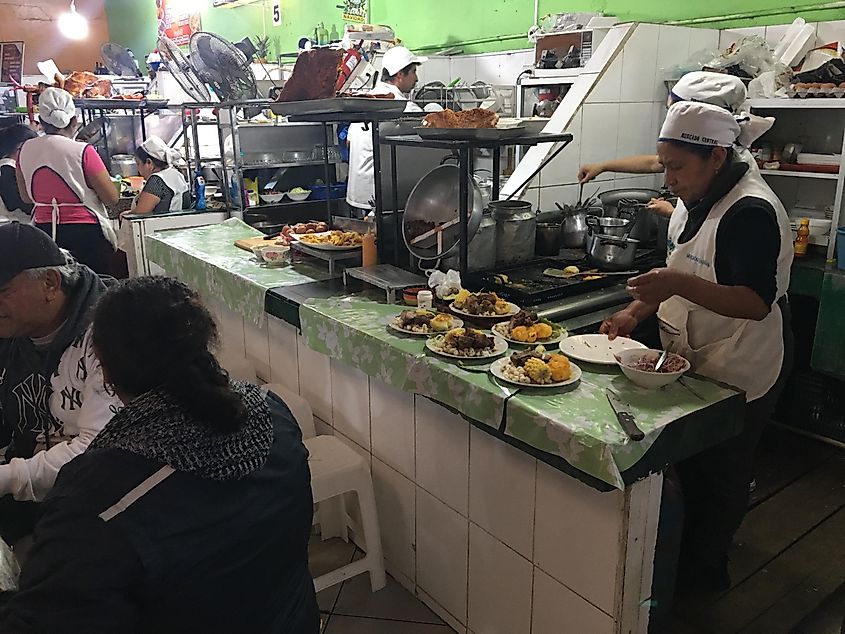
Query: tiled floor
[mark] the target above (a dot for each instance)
(352, 607)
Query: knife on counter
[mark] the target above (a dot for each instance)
(624, 416)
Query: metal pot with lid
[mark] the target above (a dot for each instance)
(611, 253)
(630, 203)
(516, 230)
(124, 165)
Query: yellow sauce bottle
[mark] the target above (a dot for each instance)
(802, 241)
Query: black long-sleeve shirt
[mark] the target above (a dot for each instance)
(9, 191)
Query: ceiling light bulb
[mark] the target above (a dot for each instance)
(73, 25)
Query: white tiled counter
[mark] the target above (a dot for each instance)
(489, 537)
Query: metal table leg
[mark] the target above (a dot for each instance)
(379, 207)
(463, 198)
(397, 231)
(327, 178)
(497, 170)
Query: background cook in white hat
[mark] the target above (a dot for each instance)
(718, 89)
(721, 303)
(68, 184)
(398, 77)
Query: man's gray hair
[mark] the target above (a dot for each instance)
(69, 272)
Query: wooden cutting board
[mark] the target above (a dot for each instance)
(248, 243)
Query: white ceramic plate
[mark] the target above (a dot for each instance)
(496, 369)
(501, 329)
(513, 309)
(456, 323)
(499, 347)
(596, 349)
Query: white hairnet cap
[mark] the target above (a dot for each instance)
(700, 124)
(55, 106)
(158, 149)
(718, 89)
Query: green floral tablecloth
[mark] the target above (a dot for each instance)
(207, 259)
(355, 331)
(576, 424)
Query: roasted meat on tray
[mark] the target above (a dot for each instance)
(314, 76)
(474, 118)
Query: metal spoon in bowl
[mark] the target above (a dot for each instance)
(661, 361)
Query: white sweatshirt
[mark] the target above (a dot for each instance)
(81, 403)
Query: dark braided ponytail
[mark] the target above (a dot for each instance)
(154, 332)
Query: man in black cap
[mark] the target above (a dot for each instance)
(50, 381)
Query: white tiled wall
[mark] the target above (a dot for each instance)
(283, 357)
(443, 454)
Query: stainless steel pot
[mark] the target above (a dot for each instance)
(619, 227)
(574, 226)
(644, 225)
(549, 238)
(481, 254)
(611, 253)
(516, 231)
(123, 165)
(212, 172)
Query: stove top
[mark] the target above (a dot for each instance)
(525, 284)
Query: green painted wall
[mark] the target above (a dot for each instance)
(477, 25)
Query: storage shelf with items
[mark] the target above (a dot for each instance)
(802, 157)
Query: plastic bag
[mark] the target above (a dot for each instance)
(770, 83)
(445, 284)
(10, 570)
(749, 57)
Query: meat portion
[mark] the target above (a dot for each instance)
(415, 318)
(473, 340)
(79, 81)
(314, 76)
(444, 119)
(475, 118)
(519, 359)
(523, 318)
(102, 88)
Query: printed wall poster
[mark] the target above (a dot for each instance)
(355, 11)
(11, 61)
(177, 23)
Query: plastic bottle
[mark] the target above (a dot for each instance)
(322, 35)
(199, 182)
(425, 300)
(802, 241)
(369, 253)
(235, 192)
(334, 36)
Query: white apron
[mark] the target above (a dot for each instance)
(13, 215)
(741, 352)
(360, 187)
(174, 180)
(64, 157)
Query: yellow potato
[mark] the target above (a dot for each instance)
(520, 333)
(537, 371)
(543, 331)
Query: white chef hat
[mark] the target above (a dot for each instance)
(700, 124)
(398, 58)
(719, 89)
(158, 149)
(55, 106)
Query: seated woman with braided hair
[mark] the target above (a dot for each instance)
(192, 508)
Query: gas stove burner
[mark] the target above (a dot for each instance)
(526, 285)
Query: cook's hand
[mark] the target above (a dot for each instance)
(620, 324)
(660, 207)
(656, 286)
(589, 171)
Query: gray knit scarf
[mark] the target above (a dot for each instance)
(156, 426)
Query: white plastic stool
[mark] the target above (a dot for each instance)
(337, 469)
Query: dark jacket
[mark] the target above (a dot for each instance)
(192, 554)
(25, 371)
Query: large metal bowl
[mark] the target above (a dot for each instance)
(436, 200)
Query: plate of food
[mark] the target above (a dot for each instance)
(467, 343)
(333, 240)
(424, 322)
(597, 349)
(482, 305)
(526, 328)
(536, 368)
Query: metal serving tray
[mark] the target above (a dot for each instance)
(469, 134)
(337, 105)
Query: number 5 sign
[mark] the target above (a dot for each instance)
(277, 12)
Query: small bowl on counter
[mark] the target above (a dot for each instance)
(634, 364)
(272, 199)
(409, 295)
(275, 255)
(300, 195)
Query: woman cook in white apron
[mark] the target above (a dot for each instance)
(721, 303)
(718, 89)
(69, 184)
(165, 190)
